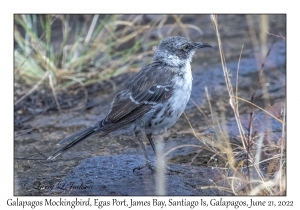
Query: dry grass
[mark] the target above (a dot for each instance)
(93, 50)
(90, 58)
(256, 165)
(253, 167)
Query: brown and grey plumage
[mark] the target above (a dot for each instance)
(153, 100)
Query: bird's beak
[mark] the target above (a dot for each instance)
(199, 45)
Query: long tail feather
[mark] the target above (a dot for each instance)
(75, 139)
(103, 127)
(75, 135)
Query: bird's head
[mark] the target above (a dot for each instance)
(177, 51)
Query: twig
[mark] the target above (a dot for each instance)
(33, 88)
(281, 152)
(278, 36)
(179, 22)
(232, 101)
(201, 111)
(237, 77)
(28, 158)
(279, 120)
(40, 153)
(181, 146)
(92, 27)
(54, 92)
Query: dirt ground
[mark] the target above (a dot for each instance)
(104, 166)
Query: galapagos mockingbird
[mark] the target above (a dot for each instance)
(154, 99)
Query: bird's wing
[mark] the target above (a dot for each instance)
(150, 86)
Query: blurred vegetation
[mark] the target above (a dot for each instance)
(60, 51)
(95, 50)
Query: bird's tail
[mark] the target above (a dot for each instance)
(77, 137)
(103, 127)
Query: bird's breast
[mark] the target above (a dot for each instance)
(182, 89)
(165, 115)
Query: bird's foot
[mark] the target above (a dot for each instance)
(147, 165)
(154, 168)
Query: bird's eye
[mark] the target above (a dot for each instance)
(186, 47)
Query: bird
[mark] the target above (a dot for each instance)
(152, 101)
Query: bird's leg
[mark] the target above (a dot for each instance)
(148, 163)
(149, 136)
(167, 169)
